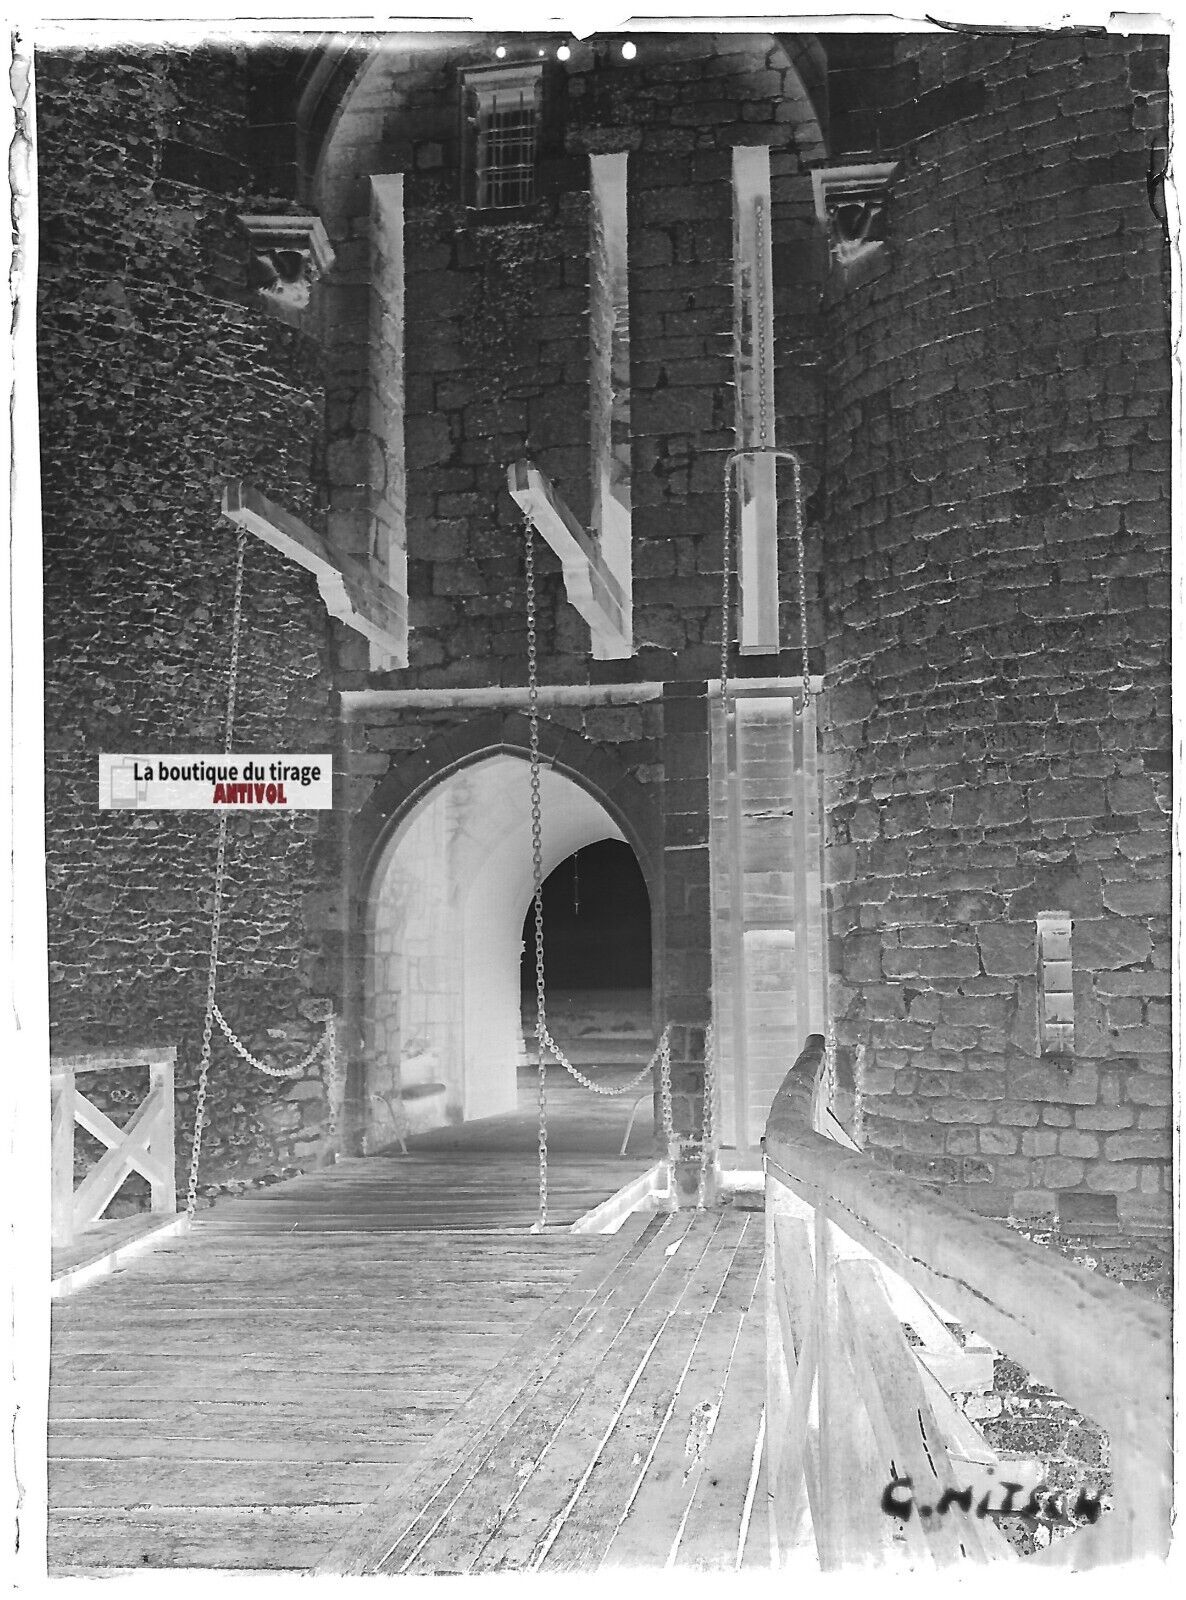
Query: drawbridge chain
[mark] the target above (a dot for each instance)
(545, 1044)
(326, 1046)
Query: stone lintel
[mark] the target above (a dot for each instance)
(590, 584)
(351, 593)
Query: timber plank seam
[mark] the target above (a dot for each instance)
(627, 1288)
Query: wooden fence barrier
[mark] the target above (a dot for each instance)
(853, 1251)
(144, 1144)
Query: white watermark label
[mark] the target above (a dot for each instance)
(140, 782)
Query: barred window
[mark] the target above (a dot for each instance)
(503, 118)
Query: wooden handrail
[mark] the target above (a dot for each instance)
(1089, 1339)
(144, 1144)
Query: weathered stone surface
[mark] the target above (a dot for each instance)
(987, 533)
(159, 378)
(1105, 943)
(1007, 949)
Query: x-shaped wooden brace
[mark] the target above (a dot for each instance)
(134, 1148)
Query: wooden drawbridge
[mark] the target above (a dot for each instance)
(377, 1368)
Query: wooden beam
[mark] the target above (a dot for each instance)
(115, 1059)
(62, 1155)
(351, 591)
(598, 593)
(1033, 1304)
(129, 1150)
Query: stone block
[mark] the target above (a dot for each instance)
(1060, 1173)
(1008, 949)
(860, 957)
(1077, 1085)
(1057, 1116)
(1039, 1142)
(1016, 1114)
(1077, 1143)
(1152, 1144)
(1104, 1118)
(997, 1141)
(1147, 1088)
(1131, 794)
(1067, 798)
(1034, 1205)
(1087, 1211)
(1141, 898)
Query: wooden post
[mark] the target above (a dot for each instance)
(62, 1155)
(164, 1186)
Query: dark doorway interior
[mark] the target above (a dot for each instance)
(597, 923)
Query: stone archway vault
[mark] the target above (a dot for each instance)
(444, 939)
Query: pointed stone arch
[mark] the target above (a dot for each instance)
(442, 880)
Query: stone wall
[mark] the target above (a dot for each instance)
(997, 612)
(159, 378)
(983, 416)
(497, 347)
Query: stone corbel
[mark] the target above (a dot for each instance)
(852, 203)
(288, 256)
(351, 592)
(590, 584)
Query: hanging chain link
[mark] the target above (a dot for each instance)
(545, 1044)
(537, 871)
(760, 285)
(797, 475)
(708, 1116)
(320, 1049)
(665, 1112)
(326, 1046)
(195, 1155)
(600, 1088)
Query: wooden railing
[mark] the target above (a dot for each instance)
(143, 1145)
(853, 1251)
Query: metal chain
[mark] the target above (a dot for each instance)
(708, 1116)
(296, 1071)
(545, 1044)
(195, 1156)
(665, 1112)
(829, 1084)
(537, 869)
(797, 474)
(326, 1046)
(760, 286)
(600, 1088)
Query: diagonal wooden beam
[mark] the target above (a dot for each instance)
(597, 592)
(127, 1152)
(351, 592)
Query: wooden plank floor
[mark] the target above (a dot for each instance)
(606, 1451)
(239, 1396)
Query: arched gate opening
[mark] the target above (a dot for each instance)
(445, 930)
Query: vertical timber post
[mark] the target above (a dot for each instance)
(688, 929)
(62, 1155)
